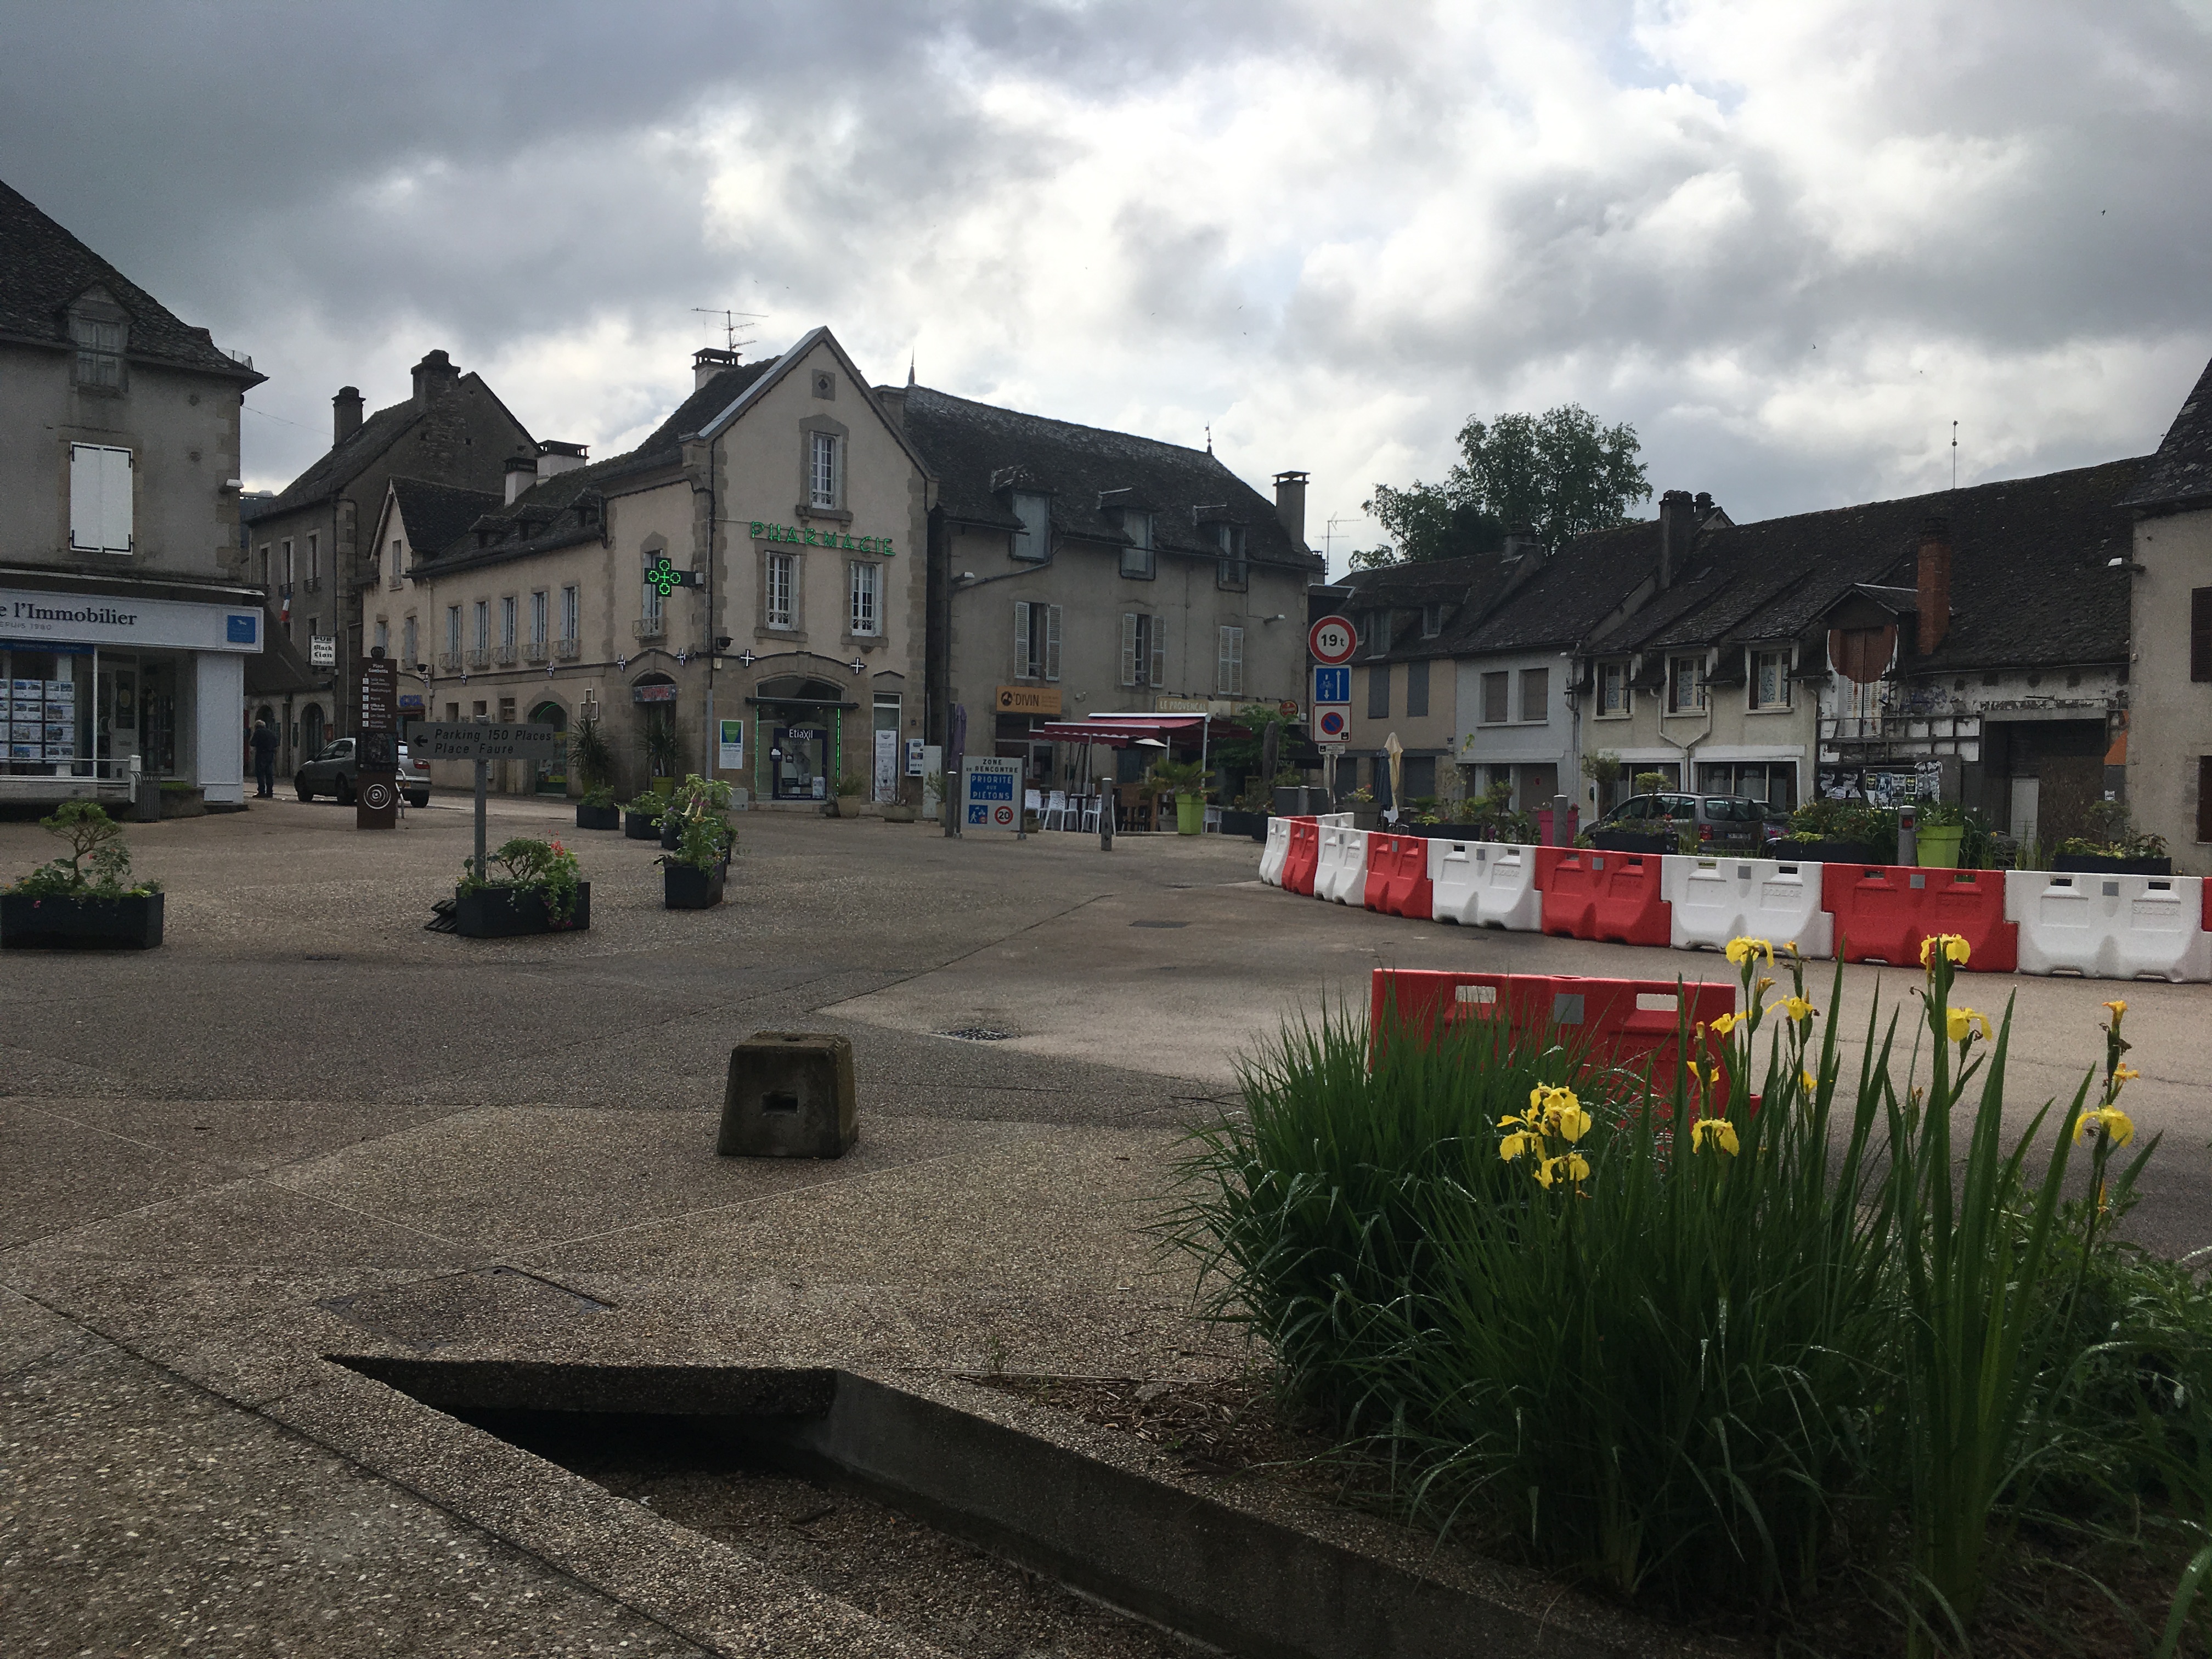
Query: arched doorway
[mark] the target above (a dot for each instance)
(801, 735)
(552, 774)
(655, 696)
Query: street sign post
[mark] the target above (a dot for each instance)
(376, 783)
(1332, 641)
(1332, 701)
(478, 741)
(991, 795)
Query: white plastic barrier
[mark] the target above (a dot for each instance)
(1344, 877)
(2073, 921)
(1327, 860)
(1716, 899)
(1485, 884)
(1277, 849)
(1336, 820)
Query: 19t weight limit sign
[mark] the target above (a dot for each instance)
(1332, 641)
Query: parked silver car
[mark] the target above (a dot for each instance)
(333, 773)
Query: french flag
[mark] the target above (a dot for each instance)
(284, 613)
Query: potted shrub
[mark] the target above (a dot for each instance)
(852, 795)
(73, 903)
(692, 873)
(664, 753)
(1840, 832)
(693, 798)
(2112, 847)
(642, 817)
(1360, 803)
(1246, 815)
(528, 886)
(595, 769)
(182, 799)
(1186, 780)
(1941, 829)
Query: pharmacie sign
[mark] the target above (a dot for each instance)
(765, 532)
(31, 617)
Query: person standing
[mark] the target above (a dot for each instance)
(264, 758)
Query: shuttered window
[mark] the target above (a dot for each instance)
(1128, 648)
(1417, 687)
(1495, 689)
(100, 499)
(1036, 641)
(1228, 673)
(2200, 634)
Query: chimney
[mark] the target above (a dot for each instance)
(1932, 571)
(1290, 503)
(554, 459)
(345, 414)
(1677, 526)
(521, 473)
(707, 362)
(1705, 505)
(434, 378)
(1520, 542)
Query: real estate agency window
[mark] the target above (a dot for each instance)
(1686, 686)
(779, 585)
(100, 499)
(1770, 679)
(1137, 559)
(1144, 649)
(1613, 690)
(1535, 694)
(1036, 641)
(866, 618)
(571, 611)
(1229, 667)
(1497, 687)
(825, 470)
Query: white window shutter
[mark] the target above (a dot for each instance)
(1021, 639)
(87, 516)
(1159, 650)
(1052, 643)
(115, 500)
(1130, 667)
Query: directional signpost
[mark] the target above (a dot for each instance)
(1332, 641)
(992, 794)
(376, 783)
(475, 740)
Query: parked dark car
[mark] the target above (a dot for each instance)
(1725, 823)
(333, 773)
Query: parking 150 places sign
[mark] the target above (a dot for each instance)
(992, 790)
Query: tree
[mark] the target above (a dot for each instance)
(1560, 472)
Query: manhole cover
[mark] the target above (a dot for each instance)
(977, 1034)
(1159, 924)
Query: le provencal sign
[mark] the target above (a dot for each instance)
(765, 532)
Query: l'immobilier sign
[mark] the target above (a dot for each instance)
(470, 740)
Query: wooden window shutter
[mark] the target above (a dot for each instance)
(1128, 648)
(1021, 639)
(2200, 634)
(1159, 650)
(2205, 798)
(1052, 643)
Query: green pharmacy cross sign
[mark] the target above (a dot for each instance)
(666, 578)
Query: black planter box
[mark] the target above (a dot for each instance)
(687, 887)
(1632, 840)
(505, 912)
(638, 827)
(598, 817)
(671, 833)
(80, 924)
(1824, 852)
(2095, 865)
(1234, 822)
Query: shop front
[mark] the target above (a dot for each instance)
(95, 688)
(801, 729)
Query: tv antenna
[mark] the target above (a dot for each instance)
(1328, 535)
(731, 325)
(1954, 454)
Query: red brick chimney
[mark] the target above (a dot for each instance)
(1933, 576)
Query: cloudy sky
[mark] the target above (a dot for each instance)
(1790, 243)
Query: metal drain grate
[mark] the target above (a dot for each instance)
(977, 1034)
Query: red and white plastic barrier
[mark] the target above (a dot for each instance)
(1622, 1022)
(1485, 884)
(1342, 872)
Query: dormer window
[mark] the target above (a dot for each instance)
(96, 328)
(1034, 540)
(1137, 559)
(1234, 572)
(1432, 620)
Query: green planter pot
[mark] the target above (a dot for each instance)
(1190, 815)
(1939, 846)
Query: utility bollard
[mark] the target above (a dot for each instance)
(790, 1094)
(1106, 822)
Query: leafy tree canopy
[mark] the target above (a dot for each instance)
(1560, 472)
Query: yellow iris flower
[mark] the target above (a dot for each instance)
(1741, 950)
(1723, 1023)
(1514, 1145)
(1797, 1009)
(2109, 1119)
(1715, 1131)
(1963, 1021)
(2119, 1008)
(1812, 1084)
(2125, 1073)
(1953, 948)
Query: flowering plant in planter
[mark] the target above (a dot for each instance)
(98, 864)
(527, 865)
(87, 898)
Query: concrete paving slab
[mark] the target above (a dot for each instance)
(249, 1222)
(57, 1171)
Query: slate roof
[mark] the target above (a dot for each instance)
(2029, 578)
(341, 463)
(980, 453)
(43, 269)
(1573, 591)
(2180, 474)
(1466, 586)
(435, 513)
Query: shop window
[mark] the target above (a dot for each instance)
(1613, 690)
(1535, 695)
(1378, 692)
(100, 499)
(1034, 540)
(1770, 679)
(1144, 649)
(1036, 641)
(865, 613)
(1138, 560)
(1686, 686)
(825, 481)
(1496, 688)
(781, 607)
(1417, 688)
(1229, 668)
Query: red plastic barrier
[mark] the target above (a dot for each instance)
(1624, 1022)
(1398, 882)
(1607, 896)
(1883, 912)
(1299, 863)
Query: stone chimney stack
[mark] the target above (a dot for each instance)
(557, 458)
(707, 362)
(345, 414)
(1933, 577)
(1290, 503)
(521, 473)
(1678, 525)
(435, 376)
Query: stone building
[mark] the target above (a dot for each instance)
(794, 510)
(125, 618)
(1076, 571)
(312, 549)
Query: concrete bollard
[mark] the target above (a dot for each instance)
(790, 1094)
